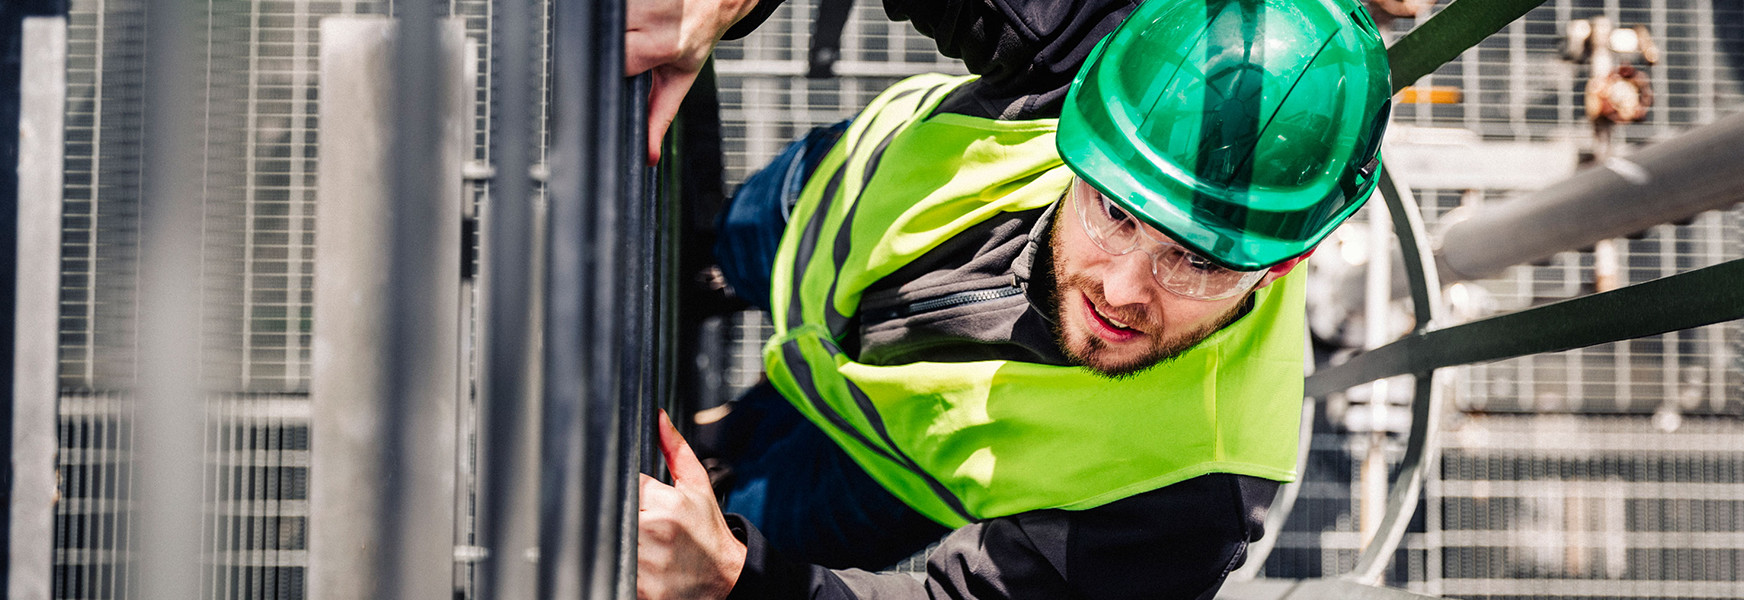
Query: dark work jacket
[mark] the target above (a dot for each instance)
(1179, 541)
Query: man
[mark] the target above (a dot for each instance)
(1077, 346)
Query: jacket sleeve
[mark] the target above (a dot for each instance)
(1180, 541)
(1026, 51)
(752, 20)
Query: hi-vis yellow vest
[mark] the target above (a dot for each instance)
(962, 442)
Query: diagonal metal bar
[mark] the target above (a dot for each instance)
(1450, 32)
(1702, 297)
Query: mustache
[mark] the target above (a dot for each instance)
(1134, 318)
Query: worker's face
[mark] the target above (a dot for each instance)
(1113, 315)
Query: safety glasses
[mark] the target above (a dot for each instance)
(1175, 268)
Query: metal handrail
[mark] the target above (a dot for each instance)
(1425, 405)
(1704, 296)
(1693, 299)
(1448, 34)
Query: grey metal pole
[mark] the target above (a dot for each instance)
(386, 370)
(509, 475)
(1666, 182)
(35, 389)
(595, 369)
(646, 378)
(168, 411)
(418, 431)
(569, 522)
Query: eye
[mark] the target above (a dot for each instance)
(1201, 264)
(1115, 213)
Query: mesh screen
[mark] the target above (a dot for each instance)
(1602, 472)
(260, 105)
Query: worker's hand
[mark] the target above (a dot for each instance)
(684, 549)
(673, 39)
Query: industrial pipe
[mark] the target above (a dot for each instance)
(1666, 182)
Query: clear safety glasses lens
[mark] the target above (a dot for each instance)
(1175, 268)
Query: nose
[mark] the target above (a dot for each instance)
(1128, 280)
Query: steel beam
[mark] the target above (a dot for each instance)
(599, 352)
(36, 317)
(431, 117)
(385, 379)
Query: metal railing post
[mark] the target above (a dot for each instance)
(386, 372)
(639, 308)
(168, 410)
(596, 363)
(430, 127)
(509, 434)
(33, 394)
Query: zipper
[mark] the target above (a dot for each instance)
(943, 302)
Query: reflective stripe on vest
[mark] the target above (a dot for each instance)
(962, 442)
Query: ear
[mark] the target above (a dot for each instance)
(1283, 268)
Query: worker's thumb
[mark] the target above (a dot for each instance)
(665, 95)
(688, 474)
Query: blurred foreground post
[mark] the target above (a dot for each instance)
(387, 283)
(36, 313)
(169, 410)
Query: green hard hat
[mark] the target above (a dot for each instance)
(1245, 129)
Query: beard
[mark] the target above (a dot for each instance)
(1094, 353)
